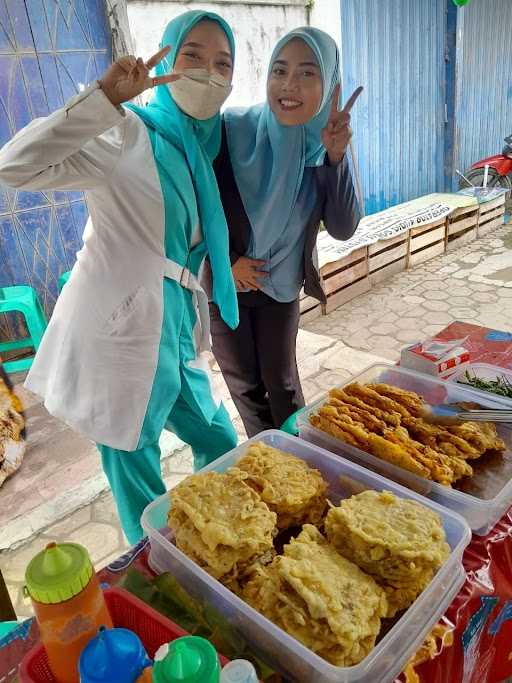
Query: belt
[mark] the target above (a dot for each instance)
(188, 280)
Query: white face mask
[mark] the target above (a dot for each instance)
(199, 93)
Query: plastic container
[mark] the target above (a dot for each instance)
(126, 611)
(486, 496)
(68, 604)
(273, 645)
(483, 371)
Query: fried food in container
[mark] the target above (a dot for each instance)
(320, 598)
(386, 422)
(222, 524)
(290, 488)
(399, 542)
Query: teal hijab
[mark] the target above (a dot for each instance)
(269, 159)
(199, 142)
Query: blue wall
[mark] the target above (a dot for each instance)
(396, 49)
(484, 80)
(48, 50)
(438, 91)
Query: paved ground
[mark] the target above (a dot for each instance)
(61, 478)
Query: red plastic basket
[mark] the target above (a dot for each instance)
(126, 611)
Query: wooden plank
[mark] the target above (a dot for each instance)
(426, 254)
(463, 239)
(310, 315)
(356, 255)
(427, 239)
(337, 300)
(486, 228)
(386, 257)
(427, 228)
(387, 272)
(308, 303)
(463, 210)
(382, 245)
(484, 217)
(460, 226)
(489, 206)
(345, 277)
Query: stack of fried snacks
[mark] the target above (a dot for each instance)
(290, 488)
(386, 422)
(320, 598)
(399, 542)
(12, 425)
(222, 524)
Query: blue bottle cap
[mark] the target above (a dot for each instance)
(115, 655)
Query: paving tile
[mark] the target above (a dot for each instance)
(101, 540)
(104, 509)
(438, 318)
(462, 313)
(408, 336)
(437, 295)
(437, 305)
(62, 530)
(15, 562)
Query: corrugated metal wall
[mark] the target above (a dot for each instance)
(484, 80)
(395, 48)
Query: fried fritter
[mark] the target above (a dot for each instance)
(398, 541)
(373, 398)
(290, 488)
(384, 448)
(402, 597)
(320, 598)
(408, 399)
(221, 523)
(392, 419)
(386, 421)
(329, 427)
(481, 435)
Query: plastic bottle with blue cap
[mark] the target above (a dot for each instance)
(115, 655)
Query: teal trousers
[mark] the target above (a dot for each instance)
(135, 477)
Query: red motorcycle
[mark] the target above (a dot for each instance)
(499, 174)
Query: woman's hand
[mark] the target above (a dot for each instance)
(336, 135)
(129, 77)
(247, 273)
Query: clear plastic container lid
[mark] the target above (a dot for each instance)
(486, 372)
(271, 644)
(481, 499)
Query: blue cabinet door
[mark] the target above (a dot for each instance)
(49, 49)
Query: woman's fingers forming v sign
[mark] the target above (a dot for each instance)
(336, 135)
(129, 77)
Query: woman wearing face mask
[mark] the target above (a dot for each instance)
(123, 356)
(282, 169)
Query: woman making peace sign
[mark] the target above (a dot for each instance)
(281, 170)
(123, 355)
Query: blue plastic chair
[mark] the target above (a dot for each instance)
(63, 279)
(22, 299)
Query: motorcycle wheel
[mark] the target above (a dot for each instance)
(494, 179)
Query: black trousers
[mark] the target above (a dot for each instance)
(258, 360)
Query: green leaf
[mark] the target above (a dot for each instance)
(167, 596)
